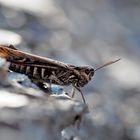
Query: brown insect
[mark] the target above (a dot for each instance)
(41, 70)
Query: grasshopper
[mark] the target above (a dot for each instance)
(44, 70)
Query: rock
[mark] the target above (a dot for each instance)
(26, 113)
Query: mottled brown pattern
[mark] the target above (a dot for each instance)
(47, 70)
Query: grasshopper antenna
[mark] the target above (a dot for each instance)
(109, 63)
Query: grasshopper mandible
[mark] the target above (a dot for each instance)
(45, 70)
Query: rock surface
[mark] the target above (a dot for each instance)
(31, 114)
(80, 32)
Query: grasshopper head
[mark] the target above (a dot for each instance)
(85, 73)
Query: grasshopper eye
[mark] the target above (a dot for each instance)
(87, 71)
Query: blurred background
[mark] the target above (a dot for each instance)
(90, 32)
